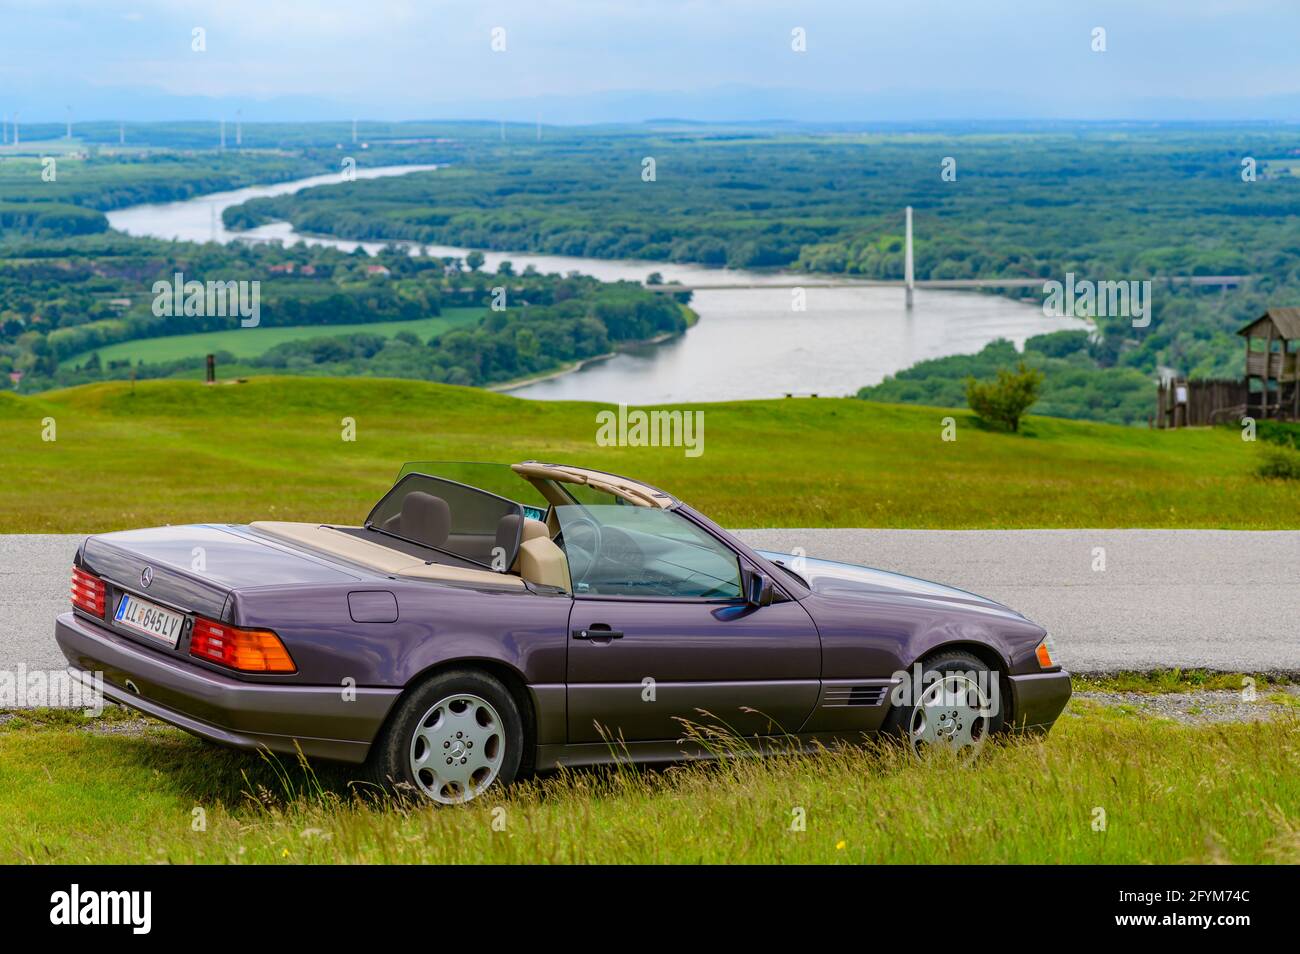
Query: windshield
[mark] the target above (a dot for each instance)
(620, 550)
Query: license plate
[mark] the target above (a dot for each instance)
(150, 619)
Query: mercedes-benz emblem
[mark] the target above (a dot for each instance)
(146, 576)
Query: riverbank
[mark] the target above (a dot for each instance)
(507, 387)
(833, 342)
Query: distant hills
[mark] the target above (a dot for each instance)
(723, 103)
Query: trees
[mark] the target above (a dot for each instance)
(1026, 208)
(502, 345)
(1004, 401)
(1073, 386)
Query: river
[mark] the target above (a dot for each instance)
(748, 343)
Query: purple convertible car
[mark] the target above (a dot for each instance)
(487, 621)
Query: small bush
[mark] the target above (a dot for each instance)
(1279, 462)
(1004, 401)
(1278, 432)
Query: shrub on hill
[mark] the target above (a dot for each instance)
(1004, 401)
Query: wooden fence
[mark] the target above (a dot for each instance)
(1200, 403)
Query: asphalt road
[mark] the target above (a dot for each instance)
(1227, 600)
(1217, 599)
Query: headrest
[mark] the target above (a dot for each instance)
(534, 529)
(425, 519)
(507, 537)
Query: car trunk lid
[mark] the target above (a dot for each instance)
(192, 570)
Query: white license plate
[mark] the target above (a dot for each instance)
(150, 619)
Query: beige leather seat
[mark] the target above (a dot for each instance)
(540, 559)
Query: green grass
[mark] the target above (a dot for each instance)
(1173, 680)
(254, 342)
(178, 452)
(1170, 793)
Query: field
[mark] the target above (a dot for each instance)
(177, 452)
(121, 790)
(253, 342)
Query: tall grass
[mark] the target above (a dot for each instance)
(1166, 793)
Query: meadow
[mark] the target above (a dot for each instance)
(176, 451)
(1106, 786)
(254, 342)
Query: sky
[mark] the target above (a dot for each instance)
(577, 61)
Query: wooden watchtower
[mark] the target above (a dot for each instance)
(1272, 341)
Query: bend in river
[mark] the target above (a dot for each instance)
(748, 343)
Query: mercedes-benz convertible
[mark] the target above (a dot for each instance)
(489, 621)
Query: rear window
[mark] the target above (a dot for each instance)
(451, 518)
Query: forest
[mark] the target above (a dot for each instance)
(65, 299)
(1106, 202)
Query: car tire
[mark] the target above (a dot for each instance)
(452, 737)
(950, 721)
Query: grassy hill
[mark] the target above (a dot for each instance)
(253, 342)
(176, 451)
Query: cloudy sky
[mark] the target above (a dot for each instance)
(593, 60)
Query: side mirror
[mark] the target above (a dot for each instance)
(758, 589)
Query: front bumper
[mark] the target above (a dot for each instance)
(319, 720)
(1037, 699)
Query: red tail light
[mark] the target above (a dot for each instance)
(87, 591)
(248, 650)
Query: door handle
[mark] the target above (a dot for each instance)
(599, 632)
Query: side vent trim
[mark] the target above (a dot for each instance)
(849, 693)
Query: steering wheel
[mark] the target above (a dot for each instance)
(581, 541)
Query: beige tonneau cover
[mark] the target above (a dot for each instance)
(635, 492)
(375, 556)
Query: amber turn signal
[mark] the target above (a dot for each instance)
(248, 650)
(1044, 653)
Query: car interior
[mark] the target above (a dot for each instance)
(573, 530)
(433, 527)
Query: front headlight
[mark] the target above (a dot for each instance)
(1046, 651)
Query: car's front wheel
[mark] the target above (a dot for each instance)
(450, 739)
(955, 704)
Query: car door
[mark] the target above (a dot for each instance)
(660, 632)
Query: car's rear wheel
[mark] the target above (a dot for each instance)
(452, 738)
(957, 705)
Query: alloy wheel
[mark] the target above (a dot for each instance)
(953, 711)
(457, 748)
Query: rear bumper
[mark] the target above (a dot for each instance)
(1037, 699)
(319, 720)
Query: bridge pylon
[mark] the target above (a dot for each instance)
(909, 276)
